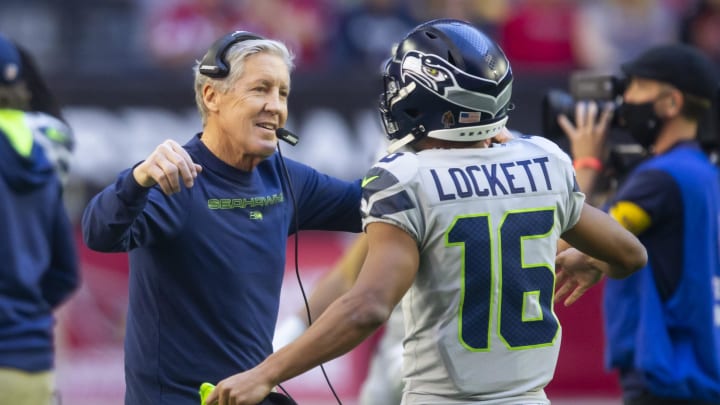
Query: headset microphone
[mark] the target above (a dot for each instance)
(287, 136)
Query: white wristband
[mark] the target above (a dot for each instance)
(288, 330)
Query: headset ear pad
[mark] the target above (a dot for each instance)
(214, 64)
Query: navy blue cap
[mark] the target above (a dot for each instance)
(682, 66)
(10, 65)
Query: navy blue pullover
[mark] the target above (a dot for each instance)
(38, 259)
(206, 266)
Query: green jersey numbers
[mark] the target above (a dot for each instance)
(479, 319)
(495, 262)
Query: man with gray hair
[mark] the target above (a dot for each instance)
(206, 226)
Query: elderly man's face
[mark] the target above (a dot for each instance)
(257, 104)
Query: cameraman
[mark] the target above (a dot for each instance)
(661, 323)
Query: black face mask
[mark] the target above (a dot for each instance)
(642, 122)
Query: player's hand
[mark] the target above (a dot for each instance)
(247, 388)
(574, 276)
(166, 166)
(588, 134)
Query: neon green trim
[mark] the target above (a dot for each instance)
(463, 292)
(534, 298)
(524, 266)
(367, 180)
(56, 135)
(12, 123)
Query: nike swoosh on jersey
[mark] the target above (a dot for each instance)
(368, 180)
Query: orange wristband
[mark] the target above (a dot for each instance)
(588, 162)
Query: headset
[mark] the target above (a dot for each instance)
(215, 66)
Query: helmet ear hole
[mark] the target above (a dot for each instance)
(413, 113)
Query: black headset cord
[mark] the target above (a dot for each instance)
(297, 271)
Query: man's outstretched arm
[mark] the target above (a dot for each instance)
(388, 272)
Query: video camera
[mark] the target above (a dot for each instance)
(584, 86)
(603, 88)
(623, 153)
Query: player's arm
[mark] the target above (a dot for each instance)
(598, 235)
(600, 246)
(389, 270)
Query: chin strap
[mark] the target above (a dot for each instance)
(464, 134)
(470, 134)
(399, 143)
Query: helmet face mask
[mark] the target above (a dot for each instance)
(56, 139)
(390, 93)
(445, 80)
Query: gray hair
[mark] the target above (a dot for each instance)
(236, 57)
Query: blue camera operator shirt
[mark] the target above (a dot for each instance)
(661, 328)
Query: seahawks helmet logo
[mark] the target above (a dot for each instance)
(442, 78)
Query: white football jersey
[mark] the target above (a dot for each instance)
(479, 319)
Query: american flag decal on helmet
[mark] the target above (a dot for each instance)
(468, 117)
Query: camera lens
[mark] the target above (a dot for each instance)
(554, 103)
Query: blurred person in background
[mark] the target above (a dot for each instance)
(362, 32)
(206, 227)
(461, 247)
(661, 323)
(488, 15)
(701, 28)
(39, 268)
(610, 31)
(179, 30)
(537, 35)
(300, 24)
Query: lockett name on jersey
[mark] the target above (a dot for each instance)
(495, 179)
